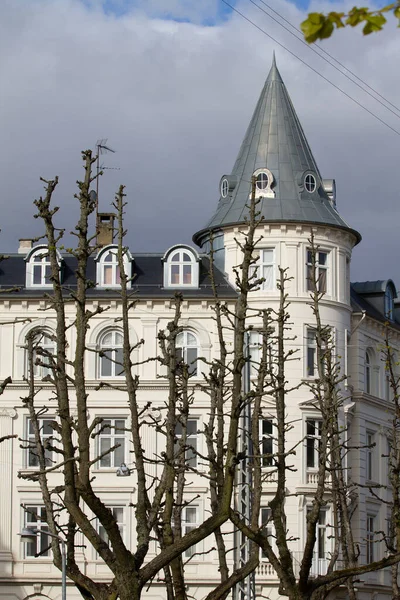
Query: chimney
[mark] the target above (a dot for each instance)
(105, 229)
(25, 245)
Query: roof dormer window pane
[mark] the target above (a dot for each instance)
(181, 268)
(262, 181)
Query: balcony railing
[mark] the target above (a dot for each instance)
(319, 566)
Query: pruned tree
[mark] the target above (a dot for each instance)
(75, 509)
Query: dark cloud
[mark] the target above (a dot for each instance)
(174, 100)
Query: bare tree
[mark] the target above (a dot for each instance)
(161, 496)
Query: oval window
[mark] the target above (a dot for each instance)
(310, 183)
(262, 181)
(224, 188)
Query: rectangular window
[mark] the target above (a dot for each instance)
(370, 456)
(313, 442)
(189, 522)
(370, 538)
(268, 526)
(311, 369)
(46, 434)
(321, 271)
(321, 549)
(119, 515)
(111, 433)
(191, 441)
(264, 268)
(267, 442)
(35, 518)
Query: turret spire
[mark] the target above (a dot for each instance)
(276, 151)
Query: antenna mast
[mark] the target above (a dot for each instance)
(101, 148)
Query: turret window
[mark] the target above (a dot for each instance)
(310, 183)
(224, 188)
(262, 181)
(389, 297)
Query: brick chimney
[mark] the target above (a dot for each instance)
(105, 228)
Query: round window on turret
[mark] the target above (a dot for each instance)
(310, 183)
(262, 181)
(224, 188)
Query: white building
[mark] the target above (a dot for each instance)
(295, 201)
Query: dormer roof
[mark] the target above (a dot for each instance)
(275, 145)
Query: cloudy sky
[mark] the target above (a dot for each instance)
(172, 85)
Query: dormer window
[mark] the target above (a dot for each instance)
(181, 268)
(310, 183)
(108, 272)
(224, 188)
(262, 181)
(38, 268)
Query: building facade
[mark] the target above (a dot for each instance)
(294, 203)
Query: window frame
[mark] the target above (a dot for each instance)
(259, 268)
(192, 439)
(314, 447)
(114, 438)
(122, 526)
(182, 348)
(389, 302)
(169, 263)
(268, 525)
(102, 263)
(113, 349)
(370, 443)
(187, 526)
(370, 537)
(30, 437)
(41, 541)
(267, 440)
(43, 265)
(41, 371)
(320, 268)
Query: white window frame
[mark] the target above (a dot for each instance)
(311, 367)
(188, 526)
(183, 344)
(43, 266)
(268, 525)
(389, 302)
(39, 339)
(193, 263)
(323, 544)
(31, 456)
(312, 443)
(192, 440)
(368, 372)
(41, 541)
(370, 538)
(267, 440)
(265, 265)
(113, 350)
(102, 264)
(115, 509)
(114, 434)
(370, 439)
(320, 268)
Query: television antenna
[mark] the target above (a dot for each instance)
(101, 148)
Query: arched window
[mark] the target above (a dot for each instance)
(38, 267)
(44, 350)
(181, 268)
(187, 348)
(368, 372)
(111, 354)
(108, 272)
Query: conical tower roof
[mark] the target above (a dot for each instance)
(276, 149)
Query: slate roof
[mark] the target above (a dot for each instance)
(359, 293)
(147, 283)
(276, 140)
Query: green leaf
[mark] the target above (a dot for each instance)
(396, 13)
(356, 16)
(374, 23)
(312, 26)
(336, 18)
